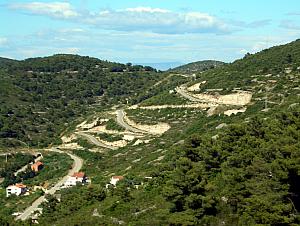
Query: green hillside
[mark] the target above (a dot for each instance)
(41, 97)
(198, 66)
(224, 159)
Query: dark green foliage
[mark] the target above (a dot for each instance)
(247, 176)
(240, 73)
(85, 143)
(109, 137)
(41, 96)
(72, 200)
(14, 163)
(55, 167)
(198, 66)
(165, 98)
(113, 125)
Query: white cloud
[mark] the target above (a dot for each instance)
(54, 9)
(148, 19)
(72, 30)
(147, 10)
(158, 21)
(3, 41)
(259, 46)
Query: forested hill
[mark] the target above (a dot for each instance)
(277, 64)
(206, 168)
(198, 66)
(67, 63)
(248, 173)
(40, 97)
(214, 169)
(4, 62)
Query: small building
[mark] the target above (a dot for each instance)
(114, 180)
(17, 189)
(79, 177)
(36, 167)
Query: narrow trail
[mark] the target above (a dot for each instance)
(183, 93)
(95, 141)
(77, 165)
(121, 122)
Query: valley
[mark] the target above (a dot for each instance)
(192, 148)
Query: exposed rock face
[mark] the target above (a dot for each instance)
(234, 111)
(138, 142)
(118, 144)
(239, 99)
(157, 129)
(199, 105)
(128, 137)
(66, 139)
(222, 125)
(72, 146)
(211, 111)
(85, 125)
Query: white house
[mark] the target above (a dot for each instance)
(79, 177)
(114, 180)
(17, 189)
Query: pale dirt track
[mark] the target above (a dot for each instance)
(77, 165)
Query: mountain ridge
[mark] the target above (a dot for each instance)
(203, 156)
(197, 66)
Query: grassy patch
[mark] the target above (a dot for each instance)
(109, 137)
(113, 125)
(165, 98)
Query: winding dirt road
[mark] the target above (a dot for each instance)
(95, 141)
(183, 93)
(120, 120)
(78, 162)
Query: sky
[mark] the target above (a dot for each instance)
(146, 31)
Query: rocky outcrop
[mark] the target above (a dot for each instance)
(157, 129)
(199, 105)
(234, 111)
(238, 99)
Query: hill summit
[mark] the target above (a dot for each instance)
(198, 66)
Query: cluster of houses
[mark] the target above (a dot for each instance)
(81, 178)
(20, 189)
(73, 180)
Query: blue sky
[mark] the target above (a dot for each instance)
(146, 31)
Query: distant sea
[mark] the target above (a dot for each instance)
(162, 66)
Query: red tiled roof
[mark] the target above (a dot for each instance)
(79, 175)
(118, 177)
(20, 185)
(38, 164)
